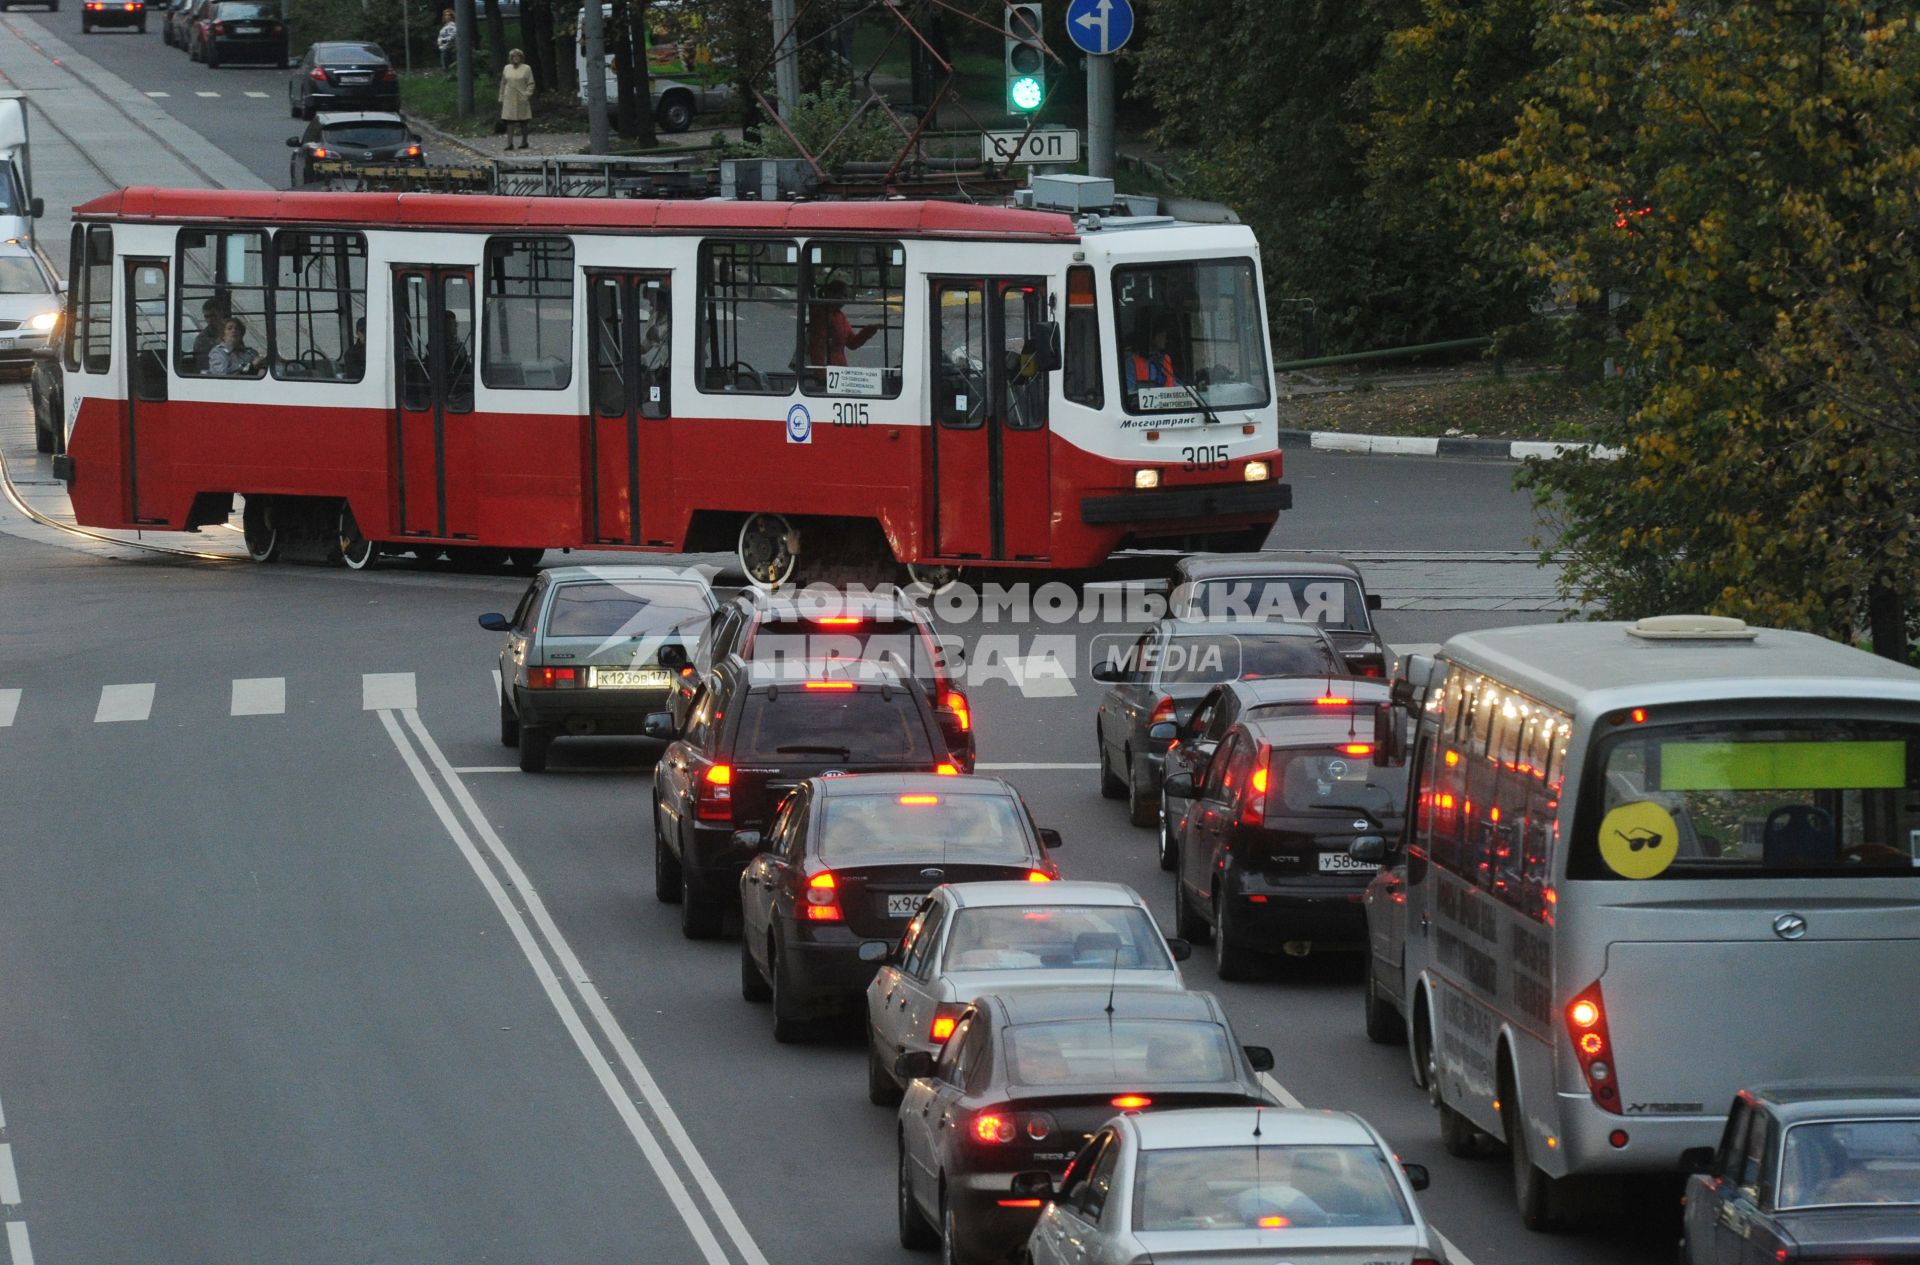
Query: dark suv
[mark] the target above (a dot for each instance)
(760, 626)
(754, 732)
(1264, 851)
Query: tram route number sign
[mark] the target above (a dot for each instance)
(1052, 145)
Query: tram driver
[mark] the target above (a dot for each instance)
(1150, 364)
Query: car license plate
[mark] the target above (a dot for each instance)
(246, 30)
(631, 678)
(1341, 863)
(356, 79)
(903, 906)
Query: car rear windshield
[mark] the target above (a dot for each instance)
(1337, 779)
(1055, 937)
(624, 608)
(1851, 1162)
(370, 135)
(847, 638)
(791, 722)
(1210, 658)
(1836, 799)
(1103, 1052)
(351, 55)
(244, 11)
(921, 827)
(1297, 599)
(22, 276)
(1266, 1188)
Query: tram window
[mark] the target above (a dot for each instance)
(960, 335)
(90, 336)
(856, 302)
(456, 330)
(147, 302)
(222, 279)
(1082, 382)
(320, 307)
(528, 342)
(749, 317)
(1020, 319)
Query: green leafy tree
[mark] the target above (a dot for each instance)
(1738, 184)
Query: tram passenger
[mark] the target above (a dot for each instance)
(231, 357)
(353, 366)
(830, 335)
(213, 321)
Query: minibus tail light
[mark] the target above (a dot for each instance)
(1586, 1018)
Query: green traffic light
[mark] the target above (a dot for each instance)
(1025, 93)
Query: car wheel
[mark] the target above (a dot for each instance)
(882, 1089)
(213, 57)
(1232, 960)
(788, 1025)
(509, 724)
(666, 867)
(915, 1234)
(142, 28)
(950, 1251)
(42, 431)
(1169, 854)
(700, 916)
(1187, 922)
(675, 114)
(1111, 787)
(1142, 810)
(534, 742)
(753, 985)
(1384, 1025)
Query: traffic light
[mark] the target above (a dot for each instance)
(1026, 63)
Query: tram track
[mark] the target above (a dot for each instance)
(19, 502)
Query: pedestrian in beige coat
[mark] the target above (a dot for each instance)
(516, 96)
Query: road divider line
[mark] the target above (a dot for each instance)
(387, 692)
(9, 707)
(18, 1246)
(3, 1117)
(670, 1180)
(206, 94)
(123, 703)
(259, 696)
(258, 96)
(159, 94)
(1016, 765)
(9, 1180)
(649, 1088)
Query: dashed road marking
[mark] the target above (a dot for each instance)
(387, 691)
(9, 706)
(259, 696)
(258, 96)
(206, 94)
(124, 702)
(17, 1245)
(159, 94)
(9, 1180)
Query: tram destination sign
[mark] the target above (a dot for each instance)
(1051, 145)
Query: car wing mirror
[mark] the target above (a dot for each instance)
(877, 952)
(659, 725)
(1259, 1057)
(1368, 850)
(37, 207)
(494, 621)
(1697, 1159)
(1180, 949)
(1109, 674)
(293, 142)
(673, 655)
(1417, 1175)
(1049, 838)
(1179, 785)
(747, 840)
(1373, 601)
(1165, 731)
(913, 1065)
(1037, 1184)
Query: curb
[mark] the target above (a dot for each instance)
(444, 138)
(1439, 445)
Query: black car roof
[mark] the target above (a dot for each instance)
(905, 783)
(348, 48)
(762, 674)
(1209, 565)
(1044, 1005)
(867, 605)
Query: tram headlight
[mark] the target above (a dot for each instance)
(45, 321)
(1144, 479)
(1257, 472)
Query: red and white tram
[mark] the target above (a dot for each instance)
(939, 384)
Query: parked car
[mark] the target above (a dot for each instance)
(177, 27)
(51, 6)
(98, 13)
(1195, 739)
(1809, 1172)
(1027, 1078)
(847, 860)
(361, 139)
(343, 75)
(30, 303)
(756, 731)
(47, 388)
(1310, 588)
(972, 938)
(229, 31)
(593, 650)
(1285, 831)
(1161, 677)
(1230, 1185)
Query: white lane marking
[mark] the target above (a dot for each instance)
(1454, 1255)
(3, 1117)
(1020, 764)
(9, 705)
(499, 690)
(124, 702)
(159, 94)
(1041, 676)
(206, 94)
(259, 696)
(17, 1245)
(261, 96)
(387, 691)
(487, 768)
(563, 1005)
(656, 1098)
(9, 1180)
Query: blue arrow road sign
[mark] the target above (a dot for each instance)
(1100, 26)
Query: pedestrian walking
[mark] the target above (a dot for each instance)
(448, 41)
(516, 96)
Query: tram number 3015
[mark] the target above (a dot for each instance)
(1205, 457)
(845, 414)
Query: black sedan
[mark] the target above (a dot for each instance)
(99, 13)
(359, 139)
(1809, 1173)
(1024, 1082)
(847, 860)
(240, 31)
(1305, 588)
(343, 75)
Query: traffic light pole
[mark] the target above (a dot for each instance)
(786, 57)
(1100, 115)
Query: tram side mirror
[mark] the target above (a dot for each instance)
(1417, 1175)
(1046, 346)
(494, 621)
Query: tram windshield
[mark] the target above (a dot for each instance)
(1191, 335)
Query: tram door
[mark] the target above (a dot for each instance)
(433, 383)
(148, 428)
(992, 495)
(629, 316)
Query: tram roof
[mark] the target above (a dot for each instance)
(458, 212)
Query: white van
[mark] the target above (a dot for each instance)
(18, 207)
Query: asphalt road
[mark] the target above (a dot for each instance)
(331, 982)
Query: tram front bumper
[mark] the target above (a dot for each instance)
(1218, 500)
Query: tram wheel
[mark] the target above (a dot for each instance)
(935, 577)
(259, 531)
(525, 561)
(769, 547)
(356, 550)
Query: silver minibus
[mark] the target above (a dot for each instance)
(1646, 865)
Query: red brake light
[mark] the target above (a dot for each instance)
(719, 775)
(1639, 715)
(839, 621)
(318, 74)
(823, 898)
(320, 151)
(956, 702)
(1039, 876)
(1593, 1047)
(219, 28)
(1357, 748)
(1327, 700)
(919, 799)
(537, 678)
(946, 1017)
(1260, 779)
(1132, 1102)
(1162, 711)
(1016, 1203)
(947, 770)
(1275, 1222)
(714, 800)
(387, 75)
(993, 1126)
(829, 685)
(413, 151)
(1253, 803)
